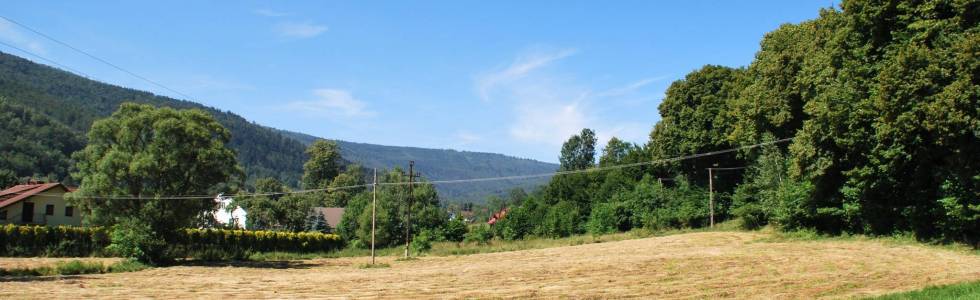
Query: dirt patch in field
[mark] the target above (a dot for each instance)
(695, 265)
(36, 262)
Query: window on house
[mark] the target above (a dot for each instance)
(3, 215)
(69, 211)
(49, 209)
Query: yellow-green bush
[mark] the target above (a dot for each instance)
(216, 243)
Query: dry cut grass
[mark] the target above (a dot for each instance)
(693, 265)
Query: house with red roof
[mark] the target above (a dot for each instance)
(37, 204)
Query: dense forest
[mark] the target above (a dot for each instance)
(880, 103)
(77, 102)
(31, 144)
(63, 103)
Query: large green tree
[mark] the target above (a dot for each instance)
(323, 165)
(693, 120)
(151, 153)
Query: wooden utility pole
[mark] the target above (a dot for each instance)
(711, 190)
(711, 196)
(374, 210)
(408, 214)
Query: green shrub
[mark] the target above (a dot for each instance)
(138, 241)
(126, 266)
(562, 220)
(76, 267)
(608, 218)
(455, 230)
(422, 242)
(479, 234)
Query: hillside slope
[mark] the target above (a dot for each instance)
(446, 164)
(76, 102)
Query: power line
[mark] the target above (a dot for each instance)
(44, 59)
(97, 58)
(516, 177)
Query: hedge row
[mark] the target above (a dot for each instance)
(91, 241)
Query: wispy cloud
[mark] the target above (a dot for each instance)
(520, 68)
(631, 87)
(270, 13)
(10, 34)
(332, 102)
(548, 106)
(306, 29)
(548, 123)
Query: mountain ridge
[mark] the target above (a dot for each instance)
(76, 101)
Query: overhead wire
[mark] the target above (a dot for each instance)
(117, 67)
(453, 181)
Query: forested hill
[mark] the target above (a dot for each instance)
(76, 102)
(57, 99)
(443, 164)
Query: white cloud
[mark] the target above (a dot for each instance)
(305, 29)
(630, 88)
(10, 34)
(333, 102)
(548, 123)
(549, 107)
(520, 68)
(270, 13)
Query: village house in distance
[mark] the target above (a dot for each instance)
(37, 204)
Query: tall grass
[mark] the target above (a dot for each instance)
(76, 267)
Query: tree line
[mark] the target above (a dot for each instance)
(880, 99)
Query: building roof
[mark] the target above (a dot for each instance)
(332, 214)
(24, 191)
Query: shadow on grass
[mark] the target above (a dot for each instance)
(270, 264)
(29, 278)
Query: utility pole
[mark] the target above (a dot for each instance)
(711, 196)
(374, 210)
(711, 190)
(408, 214)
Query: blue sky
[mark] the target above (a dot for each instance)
(515, 78)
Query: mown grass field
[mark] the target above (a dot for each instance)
(687, 265)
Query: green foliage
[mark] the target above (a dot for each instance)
(135, 239)
(578, 152)
(52, 241)
(562, 219)
(317, 223)
(480, 234)
(694, 120)
(608, 218)
(7, 178)
(880, 98)
(455, 230)
(323, 164)
(422, 242)
(276, 210)
(77, 102)
(392, 207)
(33, 145)
(340, 192)
(959, 291)
(128, 240)
(76, 267)
(147, 152)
